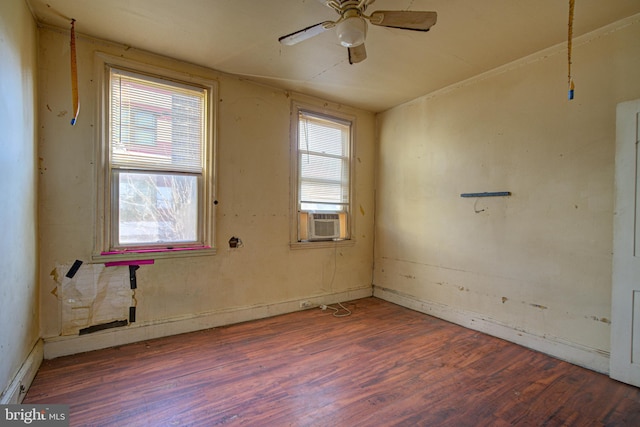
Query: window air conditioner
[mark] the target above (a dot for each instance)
(324, 226)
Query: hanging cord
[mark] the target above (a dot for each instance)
(569, 47)
(305, 126)
(74, 75)
(336, 311)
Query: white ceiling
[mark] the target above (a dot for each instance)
(241, 37)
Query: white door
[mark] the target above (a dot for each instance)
(625, 306)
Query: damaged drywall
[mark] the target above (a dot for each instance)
(92, 294)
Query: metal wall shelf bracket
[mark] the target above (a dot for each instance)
(492, 194)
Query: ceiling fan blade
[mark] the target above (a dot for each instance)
(305, 33)
(357, 54)
(404, 19)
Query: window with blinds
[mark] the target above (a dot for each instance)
(157, 145)
(323, 174)
(323, 162)
(156, 124)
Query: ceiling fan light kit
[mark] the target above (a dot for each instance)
(352, 31)
(351, 27)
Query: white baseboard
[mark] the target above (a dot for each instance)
(62, 346)
(577, 354)
(18, 387)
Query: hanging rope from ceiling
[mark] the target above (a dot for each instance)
(74, 75)
(569, 46)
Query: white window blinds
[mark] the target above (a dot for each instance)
(323, 150)
(158, 125)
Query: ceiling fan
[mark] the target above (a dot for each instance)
(351, 27)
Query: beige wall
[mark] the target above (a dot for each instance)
(264, 277)
(18, 171)
(534, 267)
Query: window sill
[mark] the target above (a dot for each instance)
(142, 255)
(319, 244)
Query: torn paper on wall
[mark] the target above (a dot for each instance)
(94, 295)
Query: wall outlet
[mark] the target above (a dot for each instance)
(305, 304)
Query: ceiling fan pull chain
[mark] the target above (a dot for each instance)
(569, 46)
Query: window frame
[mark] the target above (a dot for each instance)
(348, 218)
(105, 179)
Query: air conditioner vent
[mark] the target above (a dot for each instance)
(324, 226)
(326, 216)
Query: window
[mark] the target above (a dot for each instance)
(157, 154)
(323, 171)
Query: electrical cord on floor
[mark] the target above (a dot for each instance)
(342, 311)
(337, 311)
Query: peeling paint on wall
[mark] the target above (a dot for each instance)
(94, 295)
(599, 319)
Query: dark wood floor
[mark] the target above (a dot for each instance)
(384, 365)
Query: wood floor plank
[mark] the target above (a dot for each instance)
(384, 365)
